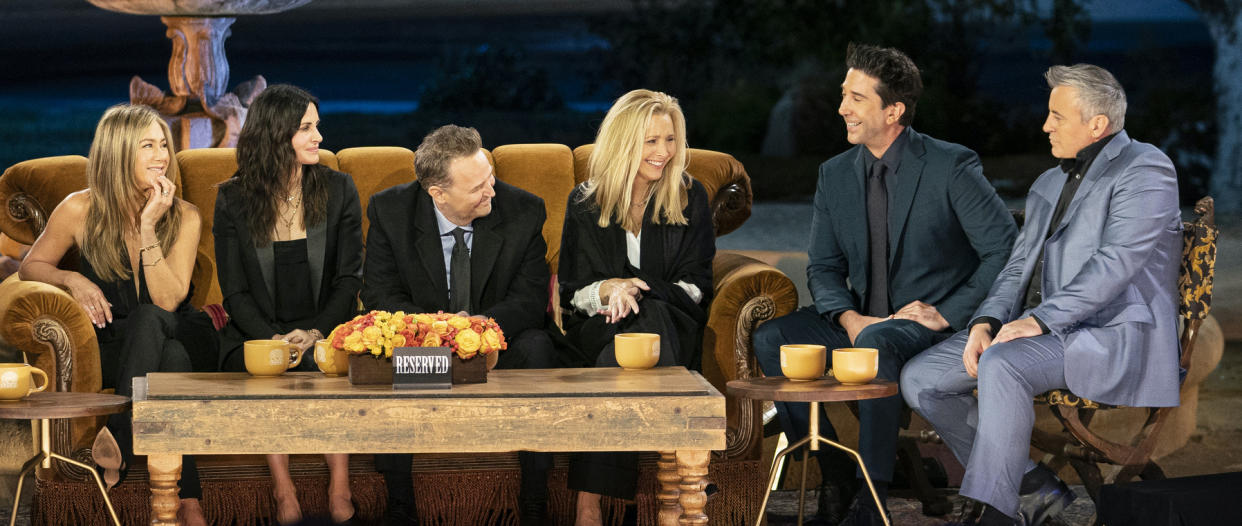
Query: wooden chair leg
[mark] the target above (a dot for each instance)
(1089, 472)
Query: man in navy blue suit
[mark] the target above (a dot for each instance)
(906, 237)
(1087, 302)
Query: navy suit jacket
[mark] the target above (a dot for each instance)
(948, 231)
(1110, 274)
(508, 273)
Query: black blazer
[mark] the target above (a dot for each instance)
(949, 234)
(334, 251)
(668, 254)
(508, 273)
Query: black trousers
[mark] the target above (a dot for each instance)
(616, 473)
(531, 349)
(150, 345)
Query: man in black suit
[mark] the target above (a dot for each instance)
(458, 240)
(906, 238)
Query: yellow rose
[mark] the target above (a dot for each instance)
(396, 340)
(381, 316)
(468, 343)
(459, 322)
(372, 334)
(396, 323)
(432, 340)
(422, 318)
(491, 340)
(440, 326)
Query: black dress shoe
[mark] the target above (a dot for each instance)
(1042, 496)
(975, 513)
(832, 503)
(863, 514)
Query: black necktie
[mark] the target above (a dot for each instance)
(877, 235)
(459, 273)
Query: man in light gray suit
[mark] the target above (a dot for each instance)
(1085, 302)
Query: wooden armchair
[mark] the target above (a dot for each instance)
(1080, 446)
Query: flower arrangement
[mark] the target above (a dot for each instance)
(379, 332)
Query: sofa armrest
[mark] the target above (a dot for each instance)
(748, 292)
(53, 331)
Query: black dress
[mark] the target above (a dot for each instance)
(668, 254)
(295, 308)
(144, 338)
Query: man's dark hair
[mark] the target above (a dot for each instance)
(898, 77)
(439, 148)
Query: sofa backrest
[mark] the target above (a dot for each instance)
(31, 189)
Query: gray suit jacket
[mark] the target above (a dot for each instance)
(1110, 275)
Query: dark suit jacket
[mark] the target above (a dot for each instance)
(508, 273)
(1110, 274)
(948, 231)
(334, 251)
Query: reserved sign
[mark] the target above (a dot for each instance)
(422, 368)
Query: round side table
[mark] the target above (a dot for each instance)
(43, 407)
(825, 389)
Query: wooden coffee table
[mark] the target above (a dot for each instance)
(666, 409)
(825, 389)
(43, 407)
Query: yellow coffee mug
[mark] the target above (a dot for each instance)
(15, 381)
(333, 362)
(637, 350)
(270, 357)
(803, 362)
(855, 365)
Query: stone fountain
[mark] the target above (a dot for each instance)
(200, 110)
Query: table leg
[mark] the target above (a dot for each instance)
(692, 465)
(17, 496)
(670, 508)
(776, 465)
(866, 477)
(165, 471)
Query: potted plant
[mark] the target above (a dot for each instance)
(370, 339)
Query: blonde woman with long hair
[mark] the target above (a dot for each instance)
(636, 256)
(137, 243)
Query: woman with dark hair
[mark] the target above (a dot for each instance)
(288, 235)
(636, 256)
(136, 243)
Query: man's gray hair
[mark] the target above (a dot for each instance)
(1099, 93)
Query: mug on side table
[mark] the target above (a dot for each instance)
(15, 383)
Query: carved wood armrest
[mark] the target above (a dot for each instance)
(53, 331)
(748, 293)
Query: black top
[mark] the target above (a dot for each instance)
(123, 298)
(294, 305)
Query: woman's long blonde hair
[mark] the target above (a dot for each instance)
(618, 153)
(115, 199)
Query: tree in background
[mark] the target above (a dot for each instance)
(1224, 21)
(730, 61)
